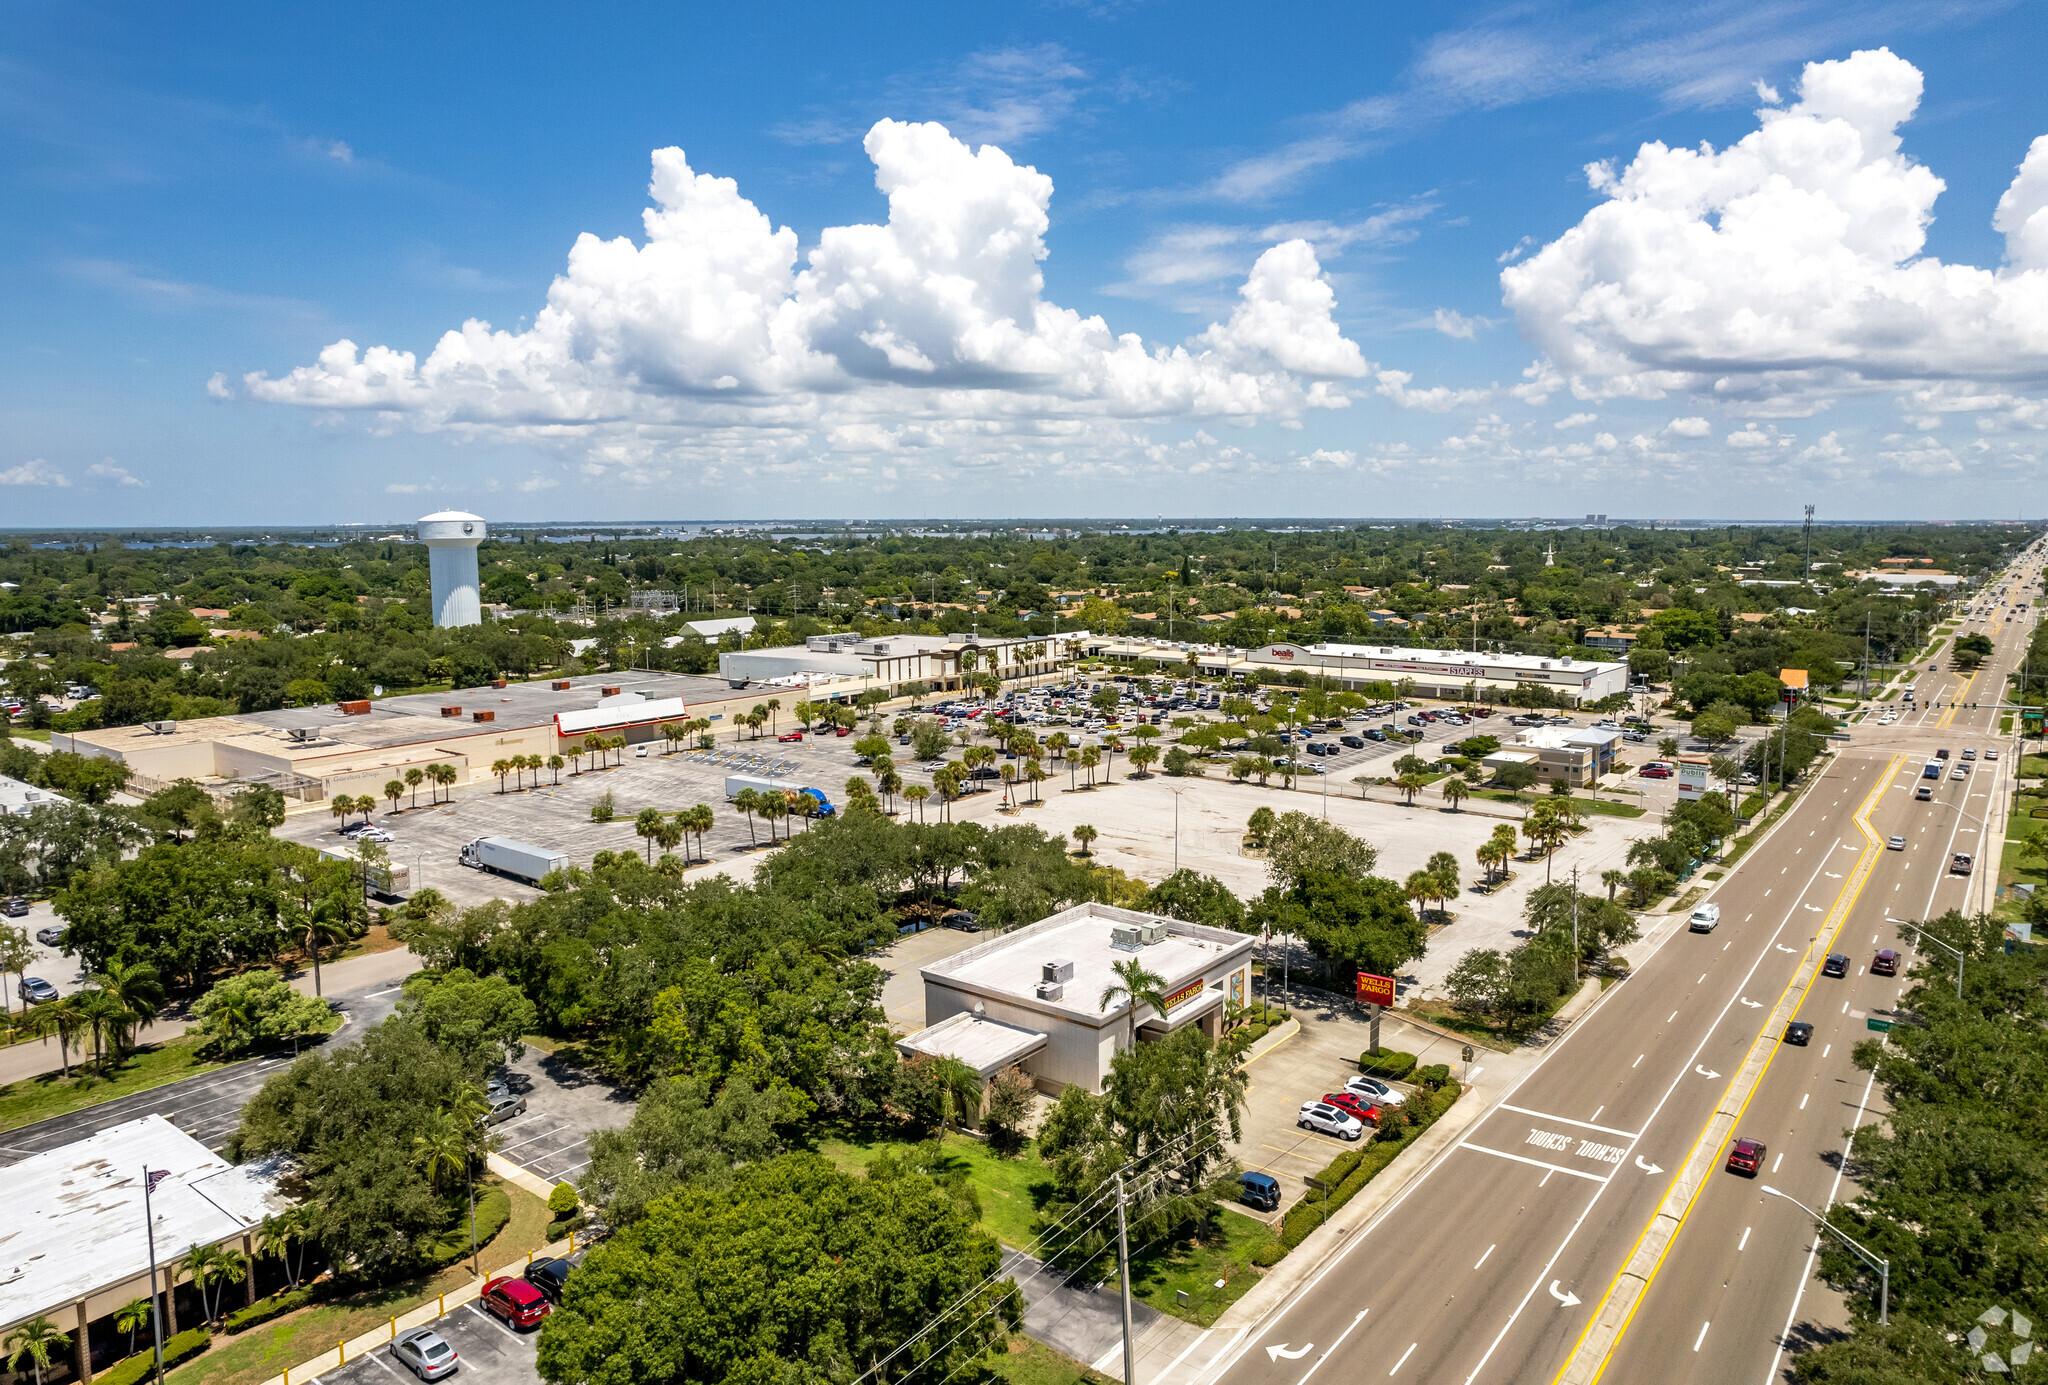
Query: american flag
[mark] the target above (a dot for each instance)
(152, 1177)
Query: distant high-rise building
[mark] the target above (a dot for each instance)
(451, 537)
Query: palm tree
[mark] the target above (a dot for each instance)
(209, 1267)
(646, 823)
(959, 1091)
(1133, 984)
(1455, 792)
(1420, 886)
(1410, 784)
(36, 1339)
(1085, 835)
(1035, 772)
(947, 782)
(1613, 879)
(555, 768)
(441, 1147)
(62, 1018)
(102, 1015)
(137, 989)
(1443, 868)
(1089, 758)
(745, 802)
(341, 805)
(774, 705)
(501, 768)
(698, 820)
(327, 922)
(394, 789)
(1009, 773)
(132, 1316)
(280, 1233)
(446, 775)
(576, 759)
(593, 744)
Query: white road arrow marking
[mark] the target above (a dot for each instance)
(1753, 1004)
(1783, 948)
(1833, 876)
(1565, 1297)
(1280, 1352)
(1704, 1072)
(1647, 1168)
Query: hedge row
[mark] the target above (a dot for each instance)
(142, 1365)
(1389, 1065)
(493, 1210)
(263, 1310)
(1354, 1168)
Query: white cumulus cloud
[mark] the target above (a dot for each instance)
(1789, 265)
(117, 475)
(33, 473)
(708, 334)
(1689, 427)
(1576, 420)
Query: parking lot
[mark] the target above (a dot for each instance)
(1315, 1061)
(486, 1347)
(564, 1104)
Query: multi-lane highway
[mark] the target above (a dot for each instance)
(1584, 1228)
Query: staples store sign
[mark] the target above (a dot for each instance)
(1446, 670)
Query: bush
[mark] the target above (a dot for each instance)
(493, 1210)
(142, 1365)
(1433, 1076)
(263, 1310)
(605, 809)
(563, 1200)
(1389, 1066)
(1269, 1254)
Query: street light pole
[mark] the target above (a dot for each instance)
(1878, 1263)
(1920, 929)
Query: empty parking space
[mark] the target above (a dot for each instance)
(549, 1146)
(488, 1350)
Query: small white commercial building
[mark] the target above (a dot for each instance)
(888, 662)
(19, 799)
(73, 1245)
(1576, 754)
(1032, 997)
(1447, 672)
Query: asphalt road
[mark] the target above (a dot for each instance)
(486, 1347)
(1492, 1264)
(1734, 1299)
(207, 1107)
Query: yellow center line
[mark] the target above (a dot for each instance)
(1955, 706)
(1589, 1356)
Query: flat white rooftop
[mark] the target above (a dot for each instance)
(986, 1045)
(1011, 966)
(71, 1221)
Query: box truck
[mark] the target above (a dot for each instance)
(822, 806)
(516, 859)
(389, 881)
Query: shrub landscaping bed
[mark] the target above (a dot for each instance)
(137, 1368)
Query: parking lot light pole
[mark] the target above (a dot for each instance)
(1878, 1263)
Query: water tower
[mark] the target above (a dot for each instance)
(451, 537)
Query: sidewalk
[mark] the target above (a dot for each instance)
(34, 1057)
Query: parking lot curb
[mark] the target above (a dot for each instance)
(433, 1310)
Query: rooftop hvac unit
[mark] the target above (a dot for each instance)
(303, 733)
(1057, 969)
(1152, 933)
(161, 728)
(1126, 935)
(1051, 990)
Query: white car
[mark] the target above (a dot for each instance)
(1706, 918)
(1316, 1115)
(1377, 1092)
(374, 834)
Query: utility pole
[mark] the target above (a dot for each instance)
(1123, 1275)
(1806, 571)
(1575, 921)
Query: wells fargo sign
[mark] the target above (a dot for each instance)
(1185, 993)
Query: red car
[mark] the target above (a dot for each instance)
(519, 1303)
(1355, 1105)
(1655, 771)
(842, 730)
(1746, 1157)
(790, 736)
(1886, 963)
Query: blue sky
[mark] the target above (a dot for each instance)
(1134, 259)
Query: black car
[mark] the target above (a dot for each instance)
(1799, 1032)
(1353, 742)
(550, 1277)
(1837, 964)
(1374, 734)
(960, 918)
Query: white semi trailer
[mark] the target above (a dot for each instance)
(504, 856)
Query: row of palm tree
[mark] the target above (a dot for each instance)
(516, 765)
(669, 830)
(772, 806)
(676, 732)
(114, 1003)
